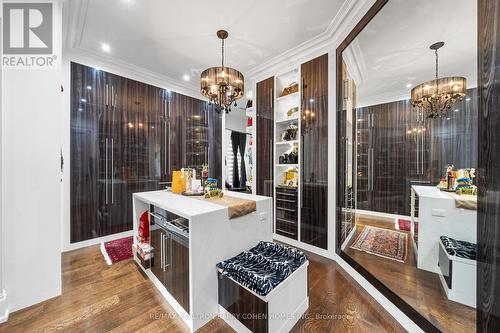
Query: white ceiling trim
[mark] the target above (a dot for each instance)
(125, 69)
(327, 41)
(355, 63)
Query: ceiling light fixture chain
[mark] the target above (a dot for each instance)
(222, 52)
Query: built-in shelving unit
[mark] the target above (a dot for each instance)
(287, 198)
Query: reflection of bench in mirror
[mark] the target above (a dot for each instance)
(457, 262)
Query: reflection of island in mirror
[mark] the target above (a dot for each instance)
(407, 188)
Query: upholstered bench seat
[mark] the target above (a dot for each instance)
(457, 264)
(263, 267)
(263, 289)
(458, 248)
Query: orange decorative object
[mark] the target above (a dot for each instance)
(178, 182)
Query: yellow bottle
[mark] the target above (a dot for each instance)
(178, 182)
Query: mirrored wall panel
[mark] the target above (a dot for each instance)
(408, 155)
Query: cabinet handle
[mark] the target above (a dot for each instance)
(271, 97)
(271, 185)
(106, 95)
(416, 140)
(161, 250)
(165, 239)
(168, 146)
(373, 164)
(106, 170)
(369, 167)
(165, 138)
(346, 90)
(171, 253)
(422, 159)
(112, 173)
(112, 95)
(302, 88)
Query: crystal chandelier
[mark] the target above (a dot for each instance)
(437, 96)
(222, 85)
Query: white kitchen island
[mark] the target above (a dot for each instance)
(191, 253)
(438, 216)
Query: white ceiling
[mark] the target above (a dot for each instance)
(175, 38)
(393, 49)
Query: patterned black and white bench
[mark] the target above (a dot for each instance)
(263, 289)
(457, 262)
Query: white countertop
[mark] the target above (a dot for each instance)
(430, 192)
(188, 206)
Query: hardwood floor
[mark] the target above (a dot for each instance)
(119, 298)
(421, 289)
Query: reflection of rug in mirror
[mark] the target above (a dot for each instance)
(382, 242)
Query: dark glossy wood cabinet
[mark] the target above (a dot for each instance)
(126, 137)
(171, 263)
(264, 137)
(178, 261)
(397, 147)
(314, 152)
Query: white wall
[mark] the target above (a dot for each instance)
(236, 120)
(31, 182)
(3, 296)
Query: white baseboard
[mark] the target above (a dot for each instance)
(297, 315)
(392, 309)
(95, 241)
(348, 239)
(4, 308)
(304, 246)
(32, 299)
(232, 321)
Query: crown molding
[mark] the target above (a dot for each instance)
(348, 15)
(126, 69)
(355, 62)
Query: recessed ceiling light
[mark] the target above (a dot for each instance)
(467, 99)
(311, 100)
(89, 88)
(83, 100)
(105, 47)
(186, 77)
(408, 85)
(456, 110)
